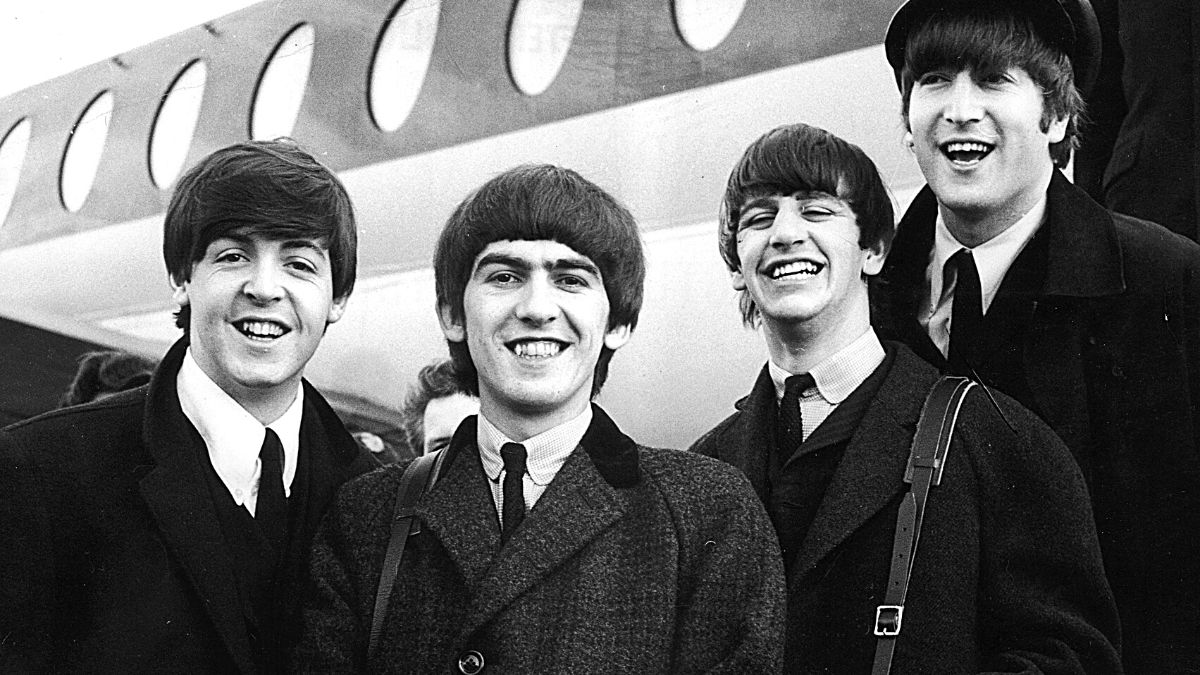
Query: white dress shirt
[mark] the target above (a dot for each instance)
(836, 378)
(992, 259)
(234, 436)
(545, 453)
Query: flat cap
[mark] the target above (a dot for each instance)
(1069, 25)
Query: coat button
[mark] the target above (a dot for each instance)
(470, 663)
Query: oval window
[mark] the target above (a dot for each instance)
(175, 123)
(704, 24)
(538, 41)
(281, 87)
(84, 149)
(12, 156)
(401, 61)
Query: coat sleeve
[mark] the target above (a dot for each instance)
(344, 569)
(731, 604)
(1045, 604)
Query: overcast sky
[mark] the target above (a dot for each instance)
(42, 39)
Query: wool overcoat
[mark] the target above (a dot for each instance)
(1096, 328)
(634, 560)
(1007, 575)
(115, 560)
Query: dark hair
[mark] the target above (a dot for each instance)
(269, 188)
(991, 38)
(436, 380)
(542, 202)
(106, 372)
(801, 158)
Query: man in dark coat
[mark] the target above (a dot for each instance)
(1088, 318)
(552, 542)
(167, 528)
(1008, 576)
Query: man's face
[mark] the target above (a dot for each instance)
(801, 262)
(978, 141)
(258, 311)
(442, 417)
(535, 319)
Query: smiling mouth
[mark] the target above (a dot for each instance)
(802, 268)
(536, 349)
(261, 330)
(966, 152)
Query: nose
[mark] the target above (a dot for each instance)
(963, 103)
(537, 304)
(789, 227)
(263, 284)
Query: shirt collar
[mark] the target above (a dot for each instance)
(233, 436)
(545, 453)
(841, 373)
(992, 258)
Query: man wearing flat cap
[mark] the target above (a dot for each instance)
(1004, 271)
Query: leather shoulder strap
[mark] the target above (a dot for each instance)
(418, 477)
(926, 462)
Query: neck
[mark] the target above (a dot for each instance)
(972, 227)
(265, 406)
(799, 347)
(522, 424)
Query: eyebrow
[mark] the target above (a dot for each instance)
(580, 263)
(245, 240)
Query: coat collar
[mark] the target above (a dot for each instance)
(585, 498)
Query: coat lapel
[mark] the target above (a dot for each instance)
(752, 435)
(177, 494)
(871, 472)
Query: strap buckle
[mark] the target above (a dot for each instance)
(888, 619)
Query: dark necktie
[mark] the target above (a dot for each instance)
(790, 432)
(514, 491)
(271, 510)
(966, 319)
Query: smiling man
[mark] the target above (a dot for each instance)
(1008, 577)
(552, 542)
(1004, 271)
(165, 529)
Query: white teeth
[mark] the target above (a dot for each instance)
(539, 349)
(801, 267)
(261, 329)
(967, 146)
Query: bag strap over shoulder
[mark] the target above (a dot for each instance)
(926, 462)
(418, 477)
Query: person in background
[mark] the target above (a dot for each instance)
(166, 528)
(104, 373)
(1004, 271)
(434, 407)
(551, 542)
(1008, 576)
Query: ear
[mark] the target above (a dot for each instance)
(451, 328)
(873, 263)
(179, 291)
(1057, 130)
(908, 141)
(737, 280)
(616, 338)
(337, 309)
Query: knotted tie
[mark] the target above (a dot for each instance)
(966, 318)
(271, 509)
(790, 432)
(514, 491)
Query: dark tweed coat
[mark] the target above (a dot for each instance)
(1007, 575)
(635, 560)
(114, 559)
(1096, 328)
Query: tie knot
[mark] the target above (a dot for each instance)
(514, 457)
(962, 261)
(796, 385)
(271, 452)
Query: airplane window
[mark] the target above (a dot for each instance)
(401, 61)
(538, 41)
(175, 123)
(281, 87)
(86, 145)
(704, 24)
(12, 156)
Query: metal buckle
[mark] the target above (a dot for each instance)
(888, 619)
